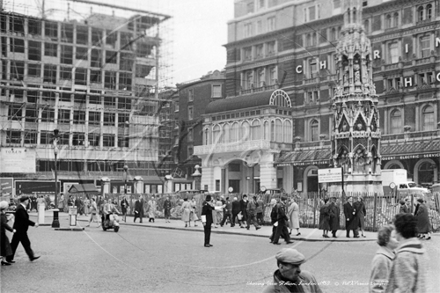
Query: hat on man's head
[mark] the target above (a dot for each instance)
(208, 198)
(23, 198)
(290, 256)
(4, 205)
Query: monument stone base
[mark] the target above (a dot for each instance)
(357, 184)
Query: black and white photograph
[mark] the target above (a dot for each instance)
(220, 146)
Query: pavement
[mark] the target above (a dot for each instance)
(307, 234)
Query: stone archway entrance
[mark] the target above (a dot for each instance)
(311, 179)
(425, 172)
(243, 178)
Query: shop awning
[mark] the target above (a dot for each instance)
(389, 151)
(305, 157)
(411, 150)
(83, 188)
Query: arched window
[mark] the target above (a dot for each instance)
(420, 12)
(287, 131)
(394, 53)
(279, 130)
(428, 11)
(395, 19)
(272, 131)
(394, 166)
(388, 20)
(215, 134)
(396, 122)
(428, 118)
(314, 129)
(225, 136)
(256, 130)
(426, 173)
(234, 132)
(266, 130)
(245, 131)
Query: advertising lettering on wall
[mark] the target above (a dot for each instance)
(408, 81)
(18, 160)
(6, 185)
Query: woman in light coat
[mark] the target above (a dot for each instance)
(193, 214)
(293, 214)
(93, 213)
(151, 209)
(383, 260)
(86, 205)
(186, 211)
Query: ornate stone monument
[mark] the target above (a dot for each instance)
(356, 134)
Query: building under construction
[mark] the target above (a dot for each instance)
(97, 81)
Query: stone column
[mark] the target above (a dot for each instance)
(138, 184)
(268, 175)
(207, 178)
(105, 185)
(197, 178)
(168, 188)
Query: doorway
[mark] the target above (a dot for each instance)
(235, 184)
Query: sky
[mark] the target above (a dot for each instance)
(199, 29)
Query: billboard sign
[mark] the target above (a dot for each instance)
(18, 160)
(35, 187)
(6, 185)
(330, 175)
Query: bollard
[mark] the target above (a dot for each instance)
(73, 212)
(41, 212)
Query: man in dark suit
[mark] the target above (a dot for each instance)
(21, 226)
(334, 216)
(350, 218)
(243, 210)
(139, 209)
(235, 211)
(207, 209)
(281, 223)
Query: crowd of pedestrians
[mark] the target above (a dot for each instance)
(399, 265)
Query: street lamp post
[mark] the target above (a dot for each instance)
(125, 184)
(56, 222)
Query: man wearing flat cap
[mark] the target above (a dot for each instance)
(289, 277)
(21, 226)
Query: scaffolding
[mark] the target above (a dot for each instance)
(85, 67)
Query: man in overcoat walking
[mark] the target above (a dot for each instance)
(139, 209)
(21, 226)
(243, 207)
(334, 212)
(235, 211)
(281, 223)
(351, 220)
